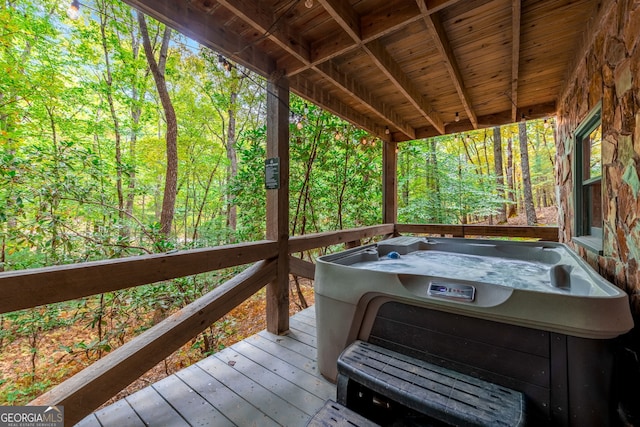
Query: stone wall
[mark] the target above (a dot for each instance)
(610, 72)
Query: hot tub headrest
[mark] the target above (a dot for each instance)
(403, 245)
(560, 276)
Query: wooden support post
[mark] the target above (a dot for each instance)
(278, 201)
(390, 183)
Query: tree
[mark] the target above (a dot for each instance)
(526, 175)
(138, 87)
(511, 187)
(501, 217)
(109, 89)
(446, 189)
(158, 71)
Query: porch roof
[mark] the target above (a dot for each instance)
(419, 68)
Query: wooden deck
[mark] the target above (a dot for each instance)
(264, 380)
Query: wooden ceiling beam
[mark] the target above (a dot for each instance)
(529, 112)
(308, 90)
(532, 112)
(373, 26)
(399, 79)
(441, 41)
(350, 85)
(348, 20)
(386, 20)
(274, 29)
(516, 13)
(200, 27)
(297, 47)
(433, 6)
(342, 12)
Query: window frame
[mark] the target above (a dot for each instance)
(585, 233)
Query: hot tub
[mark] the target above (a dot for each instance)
(531, 316)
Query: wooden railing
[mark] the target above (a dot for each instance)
(31, 288)
(542, 233)
(87, 390)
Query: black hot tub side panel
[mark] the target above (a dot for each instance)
(565, 379)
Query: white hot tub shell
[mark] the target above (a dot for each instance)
(531, 316)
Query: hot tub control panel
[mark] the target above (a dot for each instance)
(457, 291)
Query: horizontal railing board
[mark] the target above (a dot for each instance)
(87, 390)
(31, 288)
(328, 238)
(301, 268)
(547, 233)
(34, 287)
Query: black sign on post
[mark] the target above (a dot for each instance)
(272, 173)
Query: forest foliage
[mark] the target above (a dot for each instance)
(84, 138)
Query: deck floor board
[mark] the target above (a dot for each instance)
(302, 336)
(153, 409)
(308, 321)
(280, 368)
(265, 380)
(239, 411)
(288, 391)
(292, 343)
(89, 421)
(280, 351)
(303, 325)
(193, 407)
(122, 413)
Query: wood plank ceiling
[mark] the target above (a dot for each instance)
(419, 68)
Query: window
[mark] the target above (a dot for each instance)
(588, 181)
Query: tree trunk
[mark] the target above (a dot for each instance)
(526, 175)
(486, 154)
(232, 157)
(343, 186)
(136, 113)
(158, 70)
(405, 182)
(200, 212)
(501, 217)
(303, 197)
(433, 183)
(511, 192)
(112, 110)
(469, 158)
(461, 206)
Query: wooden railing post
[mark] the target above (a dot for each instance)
(278, 200)
(390, 183)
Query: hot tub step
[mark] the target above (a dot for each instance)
(437, 392)
(333, 414)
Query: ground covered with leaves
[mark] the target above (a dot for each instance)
(25, 373)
